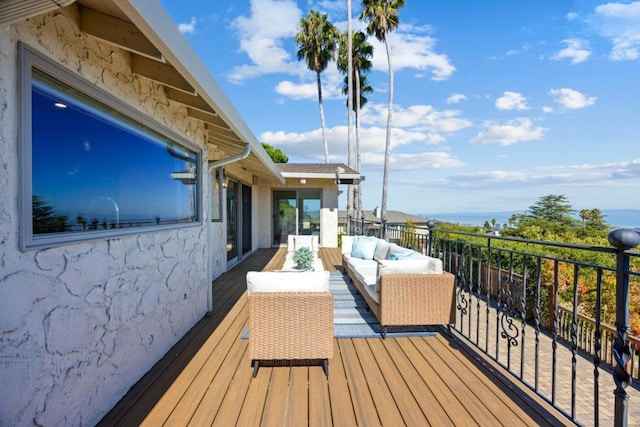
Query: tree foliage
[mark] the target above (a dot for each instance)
(45, 219)
(276, 154)
(553, 218)
(317, 40)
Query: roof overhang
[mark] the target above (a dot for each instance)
(17, 10)
(338, 177)
(161, 53)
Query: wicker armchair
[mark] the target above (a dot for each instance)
(290, 317)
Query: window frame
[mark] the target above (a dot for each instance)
(29, 59)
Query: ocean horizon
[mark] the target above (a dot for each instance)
(616, 218)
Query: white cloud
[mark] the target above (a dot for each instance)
(188, 28)
(415, 161)
(571, 16)
(567, 175)
(513, 131)
(308, 145)
(571, 99)
(421, 118)
(455, 98)
(511, 101)
(620, 22)
(411, 50)
(297, 91)
(576, 51)
(262, 36)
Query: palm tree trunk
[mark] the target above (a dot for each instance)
(350, 154)
(385, 178)
(324, 136)
(357, 112)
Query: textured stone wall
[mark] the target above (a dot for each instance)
(80, 324)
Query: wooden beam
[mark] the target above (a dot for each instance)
(162, 73)
(193, 101)
(210, 119)
(117, 32)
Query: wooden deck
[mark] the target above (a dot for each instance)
(206, 378)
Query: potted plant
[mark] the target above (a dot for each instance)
(303, 257)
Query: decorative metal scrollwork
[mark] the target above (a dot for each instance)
(509, 312)
(622, 354)
(463, 285)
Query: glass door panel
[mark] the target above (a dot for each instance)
(246, 219)
(284, 215)
(232, 220)
(309, 214)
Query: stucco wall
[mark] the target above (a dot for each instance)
(80, 324)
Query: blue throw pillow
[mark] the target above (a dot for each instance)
(403, 255)
(364, 247)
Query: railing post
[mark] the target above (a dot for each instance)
(431, 224)
(623, 240)
(362, 225)
(384, 228)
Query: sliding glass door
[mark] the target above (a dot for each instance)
(295, 212)
(238, 220)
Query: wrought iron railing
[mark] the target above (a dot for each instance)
(539, 313)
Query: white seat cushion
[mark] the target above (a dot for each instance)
(288, 281)
(297, 242)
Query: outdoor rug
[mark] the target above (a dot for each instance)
(352, 320)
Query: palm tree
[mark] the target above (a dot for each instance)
(361, 53)
(382, 17)
(316, 41)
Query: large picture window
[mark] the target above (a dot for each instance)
(93, 167)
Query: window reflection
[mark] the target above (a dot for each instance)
(93, 169)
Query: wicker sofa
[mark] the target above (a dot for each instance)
(401, 287)
(290, 317)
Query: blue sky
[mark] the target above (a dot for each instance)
(496, 103)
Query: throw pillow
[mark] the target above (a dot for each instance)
(364, 247)
(382, 250)
(405, 255)
(422, 265)
(303, 242)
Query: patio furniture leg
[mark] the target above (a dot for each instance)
(325, 367)
(384, 332)
(256, 365)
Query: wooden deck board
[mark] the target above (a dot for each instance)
(404, 377)
(229, 410)
(206, 379)
(363, 404)
(423, 381)
(274, 408)
(319, 399)
(298, 399)
(387, 409)
(253, 403)
(342, 410)
(461, 387)
(469, 386)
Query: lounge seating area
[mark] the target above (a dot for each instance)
(401, 287)
(207, 378)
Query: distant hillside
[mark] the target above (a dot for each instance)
(618, 218)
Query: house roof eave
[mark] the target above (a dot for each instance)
(150, 17)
